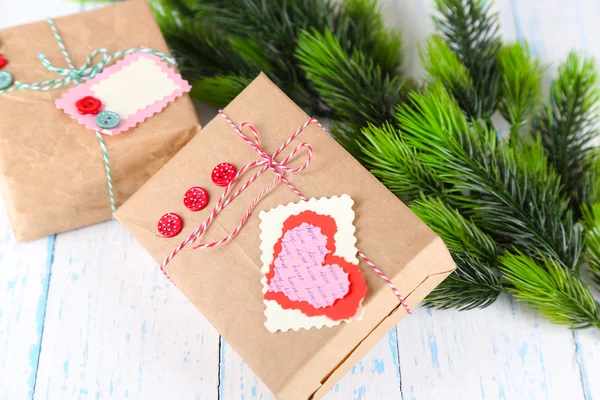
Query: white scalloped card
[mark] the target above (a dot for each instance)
(136, 87)
(311, 276)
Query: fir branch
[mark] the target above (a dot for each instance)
(551, 289)
(362, 21)
(590, 191)
(476, 282)
(471, 31)
(220, 89)
(351, 84)
(520, 86)
(509, 193)
(216, 40)
(390, 159)
(193, 43)
(443, 65)
(568, 124)
(591, 222)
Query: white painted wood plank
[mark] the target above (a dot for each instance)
(25, 268)
(376, 376)
(116, 327)
(588, 357)
(22, 12)
(502, 352)
(25, 271)
(236, 379)
(565, 26)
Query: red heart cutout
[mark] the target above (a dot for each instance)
(343, 308)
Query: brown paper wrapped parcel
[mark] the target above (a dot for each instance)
(224, 282)
(51, 168)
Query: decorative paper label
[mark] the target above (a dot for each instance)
(311, 273)
(299, 271)
(136, 87)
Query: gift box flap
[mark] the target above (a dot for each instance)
(224, 282)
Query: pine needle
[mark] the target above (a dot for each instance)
(471, 31)
(220, 89)
(590, 191)
(591, 221)
(511, 194)
(520, 86)
(551, 289)
(443, 65)
(351, 84)
(568, 124)
(390, 159)
(476, 282)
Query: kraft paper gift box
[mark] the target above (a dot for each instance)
(51, 167)
(224, 282)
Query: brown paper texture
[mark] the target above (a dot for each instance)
(51, 168)
(224, 282)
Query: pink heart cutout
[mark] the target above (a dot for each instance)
(299, 271)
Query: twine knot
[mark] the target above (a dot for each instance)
(269, 161)
(77, 75)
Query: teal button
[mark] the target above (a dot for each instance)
(108, 120)
(6, 79)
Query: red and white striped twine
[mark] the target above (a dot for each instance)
(280, 169)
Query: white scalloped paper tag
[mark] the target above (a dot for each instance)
(311, 276)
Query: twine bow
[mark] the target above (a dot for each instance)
(267, 162)
(77, 75)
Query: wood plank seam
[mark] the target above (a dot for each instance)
(49, 262)
(398, 362)
(582, 370)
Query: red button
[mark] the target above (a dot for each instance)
(196, 198)
(88, 105)
(3, 61)
(223, 174)
(170, 225)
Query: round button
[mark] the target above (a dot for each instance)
(6, 79)
(223, 174)
(196, 198)
(108, 120)
(170, 225)
(88, 105)
(3, 61)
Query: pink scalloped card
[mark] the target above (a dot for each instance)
(136, 87)
(311, 277)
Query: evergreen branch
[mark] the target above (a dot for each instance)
(590, 191)
(551, 289)
(475, 283)
(220, 89)
(591, 221)
(352, 85)
(443, 65)
(509, 193)
(193, 43)
(471, 31)
(568, 124)
(390, 159)
(520, 86)
(362, 21)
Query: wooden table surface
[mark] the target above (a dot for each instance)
(87, 315)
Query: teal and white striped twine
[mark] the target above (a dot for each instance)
(82, 74)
